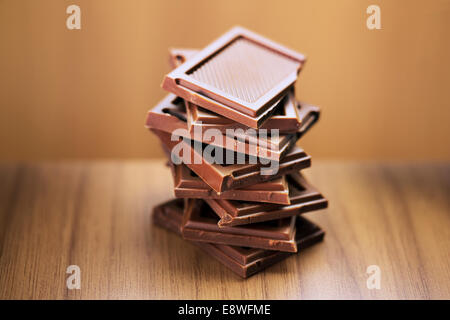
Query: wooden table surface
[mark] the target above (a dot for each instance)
(97, 215)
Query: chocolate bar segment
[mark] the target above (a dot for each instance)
(200, 224)
(307, 234)
(221, 177)
(241, 76)
(241, 260)
(170, 115)
(290, 117)
(303, 197)
(285, 118)
(189, 185)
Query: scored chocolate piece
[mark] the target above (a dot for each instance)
(303, 197)
(221, 177)
(189, 185)
(290, 117)
(241, 76)
(287, 118)
(170, 115)
(243, 261)
(200, 224)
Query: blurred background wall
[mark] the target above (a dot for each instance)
(385, 94)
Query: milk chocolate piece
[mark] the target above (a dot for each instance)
(290, 117)
(241, 76)
(243, 261)
(178, 56)
(170, 115)
(169, 215)
(287, 118)
(227, 177)
(200, 224)
(303, 197)
(189, 185)
(307, 234)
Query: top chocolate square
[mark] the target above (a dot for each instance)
(241, 76)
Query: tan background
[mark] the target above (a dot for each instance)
(84, 93)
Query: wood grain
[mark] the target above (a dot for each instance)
(97, 215)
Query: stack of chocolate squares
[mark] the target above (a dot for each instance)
(236, 98)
